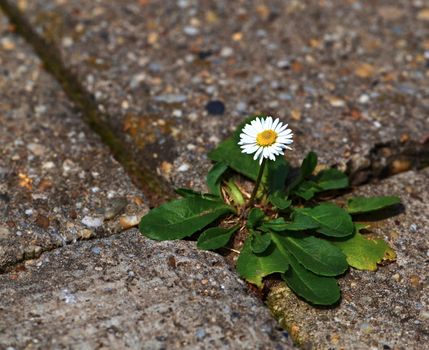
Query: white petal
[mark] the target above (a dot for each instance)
(249, 149)
(284, 127)
(258, 152)
(247, 139)
(268, 123)
(275, 123)
(285, 132)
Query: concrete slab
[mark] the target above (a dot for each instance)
(59, 186)
(346, 75)
(58, 182)
(387, 309)
(128, 292)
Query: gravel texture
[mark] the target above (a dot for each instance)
(58, 183)
(128, 292)
(345, 74)
(387, 309)
(59, 186)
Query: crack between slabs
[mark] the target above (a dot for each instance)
(387, 159)
(9, 268)
(154, 188)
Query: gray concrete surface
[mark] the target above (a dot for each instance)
(58, 183)
(344, 74)
(128, 292)
(387, 309)
(59, 186)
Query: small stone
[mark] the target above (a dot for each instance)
(85, 234)
(36, 149)
(191, 31)
(423, 15)
(336, 102)
(48, 165)
(96, 250)
(295, 115)
(29, 212)
(7, 44)
(193, 117)
(200, 333)
(152, 38)
(400, 166)
(184, 167)
(166, 168)
(4, 232)
(241, 106)
(396, 277)
(283, 64)
(215, 107)
(128, 221)
(170, 98)
(42, 221)
(364, 98)
(365, 70)
(226, 52)
(94, 222)
(284, 96)
(177, 113)
(67, 41)
(237, 36)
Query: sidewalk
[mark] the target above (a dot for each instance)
(169, 83)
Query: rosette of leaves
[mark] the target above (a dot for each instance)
(291, 231)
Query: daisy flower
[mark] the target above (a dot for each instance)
(266, 138)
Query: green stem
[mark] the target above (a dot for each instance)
(258, 181)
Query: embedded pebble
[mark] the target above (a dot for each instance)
(170, 98)
(215, 107)
(184, 167)
(226, 52)
(191, 31)
(36, 149)
(91, 221)
(128, 221)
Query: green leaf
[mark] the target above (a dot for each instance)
(331, 179)
(255, 217)
(235, 193)
(333, 221)
(260, 242)
(188, 193)
(215, 237)
(214, 177)
(254, 267)
(358, 205)
(365, 254)
(308, 164)
(315, 254)
(319, 290)
(277, 172)
(229, 152)
(181, 218)
(280, 201)
(306, 190)
(307, 167)
(300, 223)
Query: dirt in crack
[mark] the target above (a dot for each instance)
(388, 159)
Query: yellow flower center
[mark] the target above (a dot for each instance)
(266, 138)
